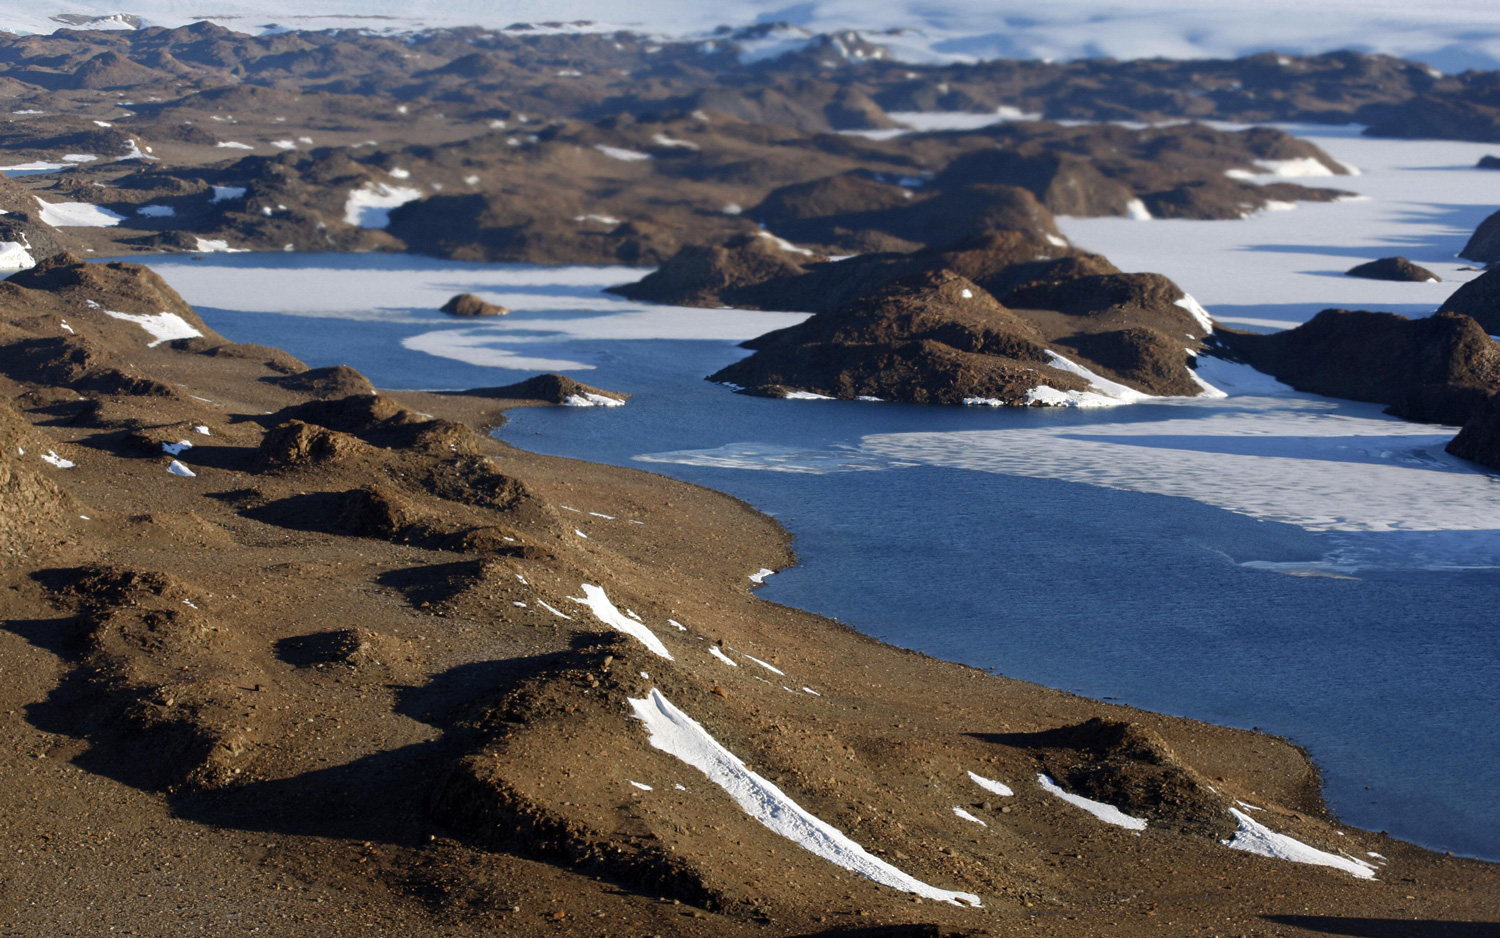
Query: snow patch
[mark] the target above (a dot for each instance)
(178, 469)
(990, 785)
(590, 399)
(605, 611)
(619, 153)
(678, 735)
(714, 650)
(1136, 209)
(176, 449)
(225, 193)
(164, 327)
(1301, 167)
(78, 215)
(217, 246)
(968, 817)
(1196, 310)
(759, 578)
(1253, 837)
(370, 205)
(156, 211)
(769, 667)
(51, 457)
(1107, 813)
(15, 256)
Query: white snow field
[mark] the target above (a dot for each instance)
(1452, 36)
(679, 735)
(1278, 269)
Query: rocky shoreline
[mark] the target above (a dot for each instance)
(291, 654)
(400, 659)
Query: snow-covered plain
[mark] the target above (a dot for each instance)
(1277, 269)
(1452, 36)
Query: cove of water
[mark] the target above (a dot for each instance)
(1137, 554)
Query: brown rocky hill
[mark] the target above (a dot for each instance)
(1440, 369)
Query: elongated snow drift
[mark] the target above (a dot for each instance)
(677, 734)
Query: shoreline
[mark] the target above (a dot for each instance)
(346, 659)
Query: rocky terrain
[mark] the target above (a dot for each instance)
(1440, 369)
(286, 650)
(635, 191)
(844, 81)
(926, 326)
(289, 654)
(1393, 268)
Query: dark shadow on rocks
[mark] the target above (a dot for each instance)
(1387, 927)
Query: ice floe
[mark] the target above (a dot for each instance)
(678, 735)
(1107, 813)
(1254, 837)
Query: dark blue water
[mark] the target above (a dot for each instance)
(1391, 680)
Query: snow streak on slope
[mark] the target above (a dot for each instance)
(678, 734)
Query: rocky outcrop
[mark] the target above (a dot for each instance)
(1441, 369)
(1484, 244)
(1478, 299)
(1067, 184)
(721, 275)
(930, 338)
(1479, 440)
(552, 389)
(468, 305)
(1393, 268)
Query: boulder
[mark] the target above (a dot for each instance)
(1478, 299)
(1484, 243)
(467, 305)
(1393, 268)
